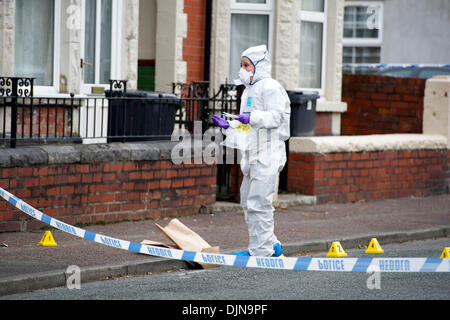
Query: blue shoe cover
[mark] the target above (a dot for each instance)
(241, 253)
(278, 250)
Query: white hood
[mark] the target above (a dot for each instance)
(259, 57)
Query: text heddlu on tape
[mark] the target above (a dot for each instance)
(289, 263)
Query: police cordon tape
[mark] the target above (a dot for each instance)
(393, 65)
(286, 263)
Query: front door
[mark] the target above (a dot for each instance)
(100, 45)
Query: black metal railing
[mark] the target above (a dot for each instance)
(201, 101)
(201, 104)
(11, 89)
(120, 115)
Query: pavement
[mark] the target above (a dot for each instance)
(302, 226)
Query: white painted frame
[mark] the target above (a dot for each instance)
(318, 17)
(268, 6)
(116, 43)
(46, 90)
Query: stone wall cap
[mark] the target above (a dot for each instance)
(331, 106)
(24, 156)
(440, 78)
(367, 143)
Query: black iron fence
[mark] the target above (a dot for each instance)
(201, 103)
(120, 115)
(117, 116)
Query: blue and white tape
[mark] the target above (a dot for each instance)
(393, 65)
(287, 263)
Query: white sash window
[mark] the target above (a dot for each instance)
(100, 47)
(313, 44)
(363, 35)
(36, 43)
(251, 25)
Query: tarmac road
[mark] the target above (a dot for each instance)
(231, 283)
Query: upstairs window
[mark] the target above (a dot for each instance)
(362, 33)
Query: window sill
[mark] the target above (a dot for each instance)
(331, 106)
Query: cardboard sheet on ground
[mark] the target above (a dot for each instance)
(184, 239)
(158, 244)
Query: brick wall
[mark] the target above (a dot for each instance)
(382, 105)
(322, 126)
(95, 187)
(49, 120)
(194, 43)
(353, 176)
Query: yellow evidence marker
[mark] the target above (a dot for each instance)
(47, 240)
(374, 247)
(446, 253)
(336, 250)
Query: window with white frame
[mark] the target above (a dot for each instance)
(362, 32)
(100, 51)
(36, 42)
(312, 44)
(251, 25)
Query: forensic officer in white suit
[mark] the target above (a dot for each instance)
(265, 107)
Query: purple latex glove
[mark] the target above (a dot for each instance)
(243, 118)
(220, 122)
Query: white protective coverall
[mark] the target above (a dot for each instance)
(269, 107)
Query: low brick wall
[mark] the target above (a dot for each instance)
(323, 124)
(109, 182)
(341, 169)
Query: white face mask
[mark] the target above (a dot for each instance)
(244, 76)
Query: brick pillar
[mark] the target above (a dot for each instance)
(194, 43)
(436, 113)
